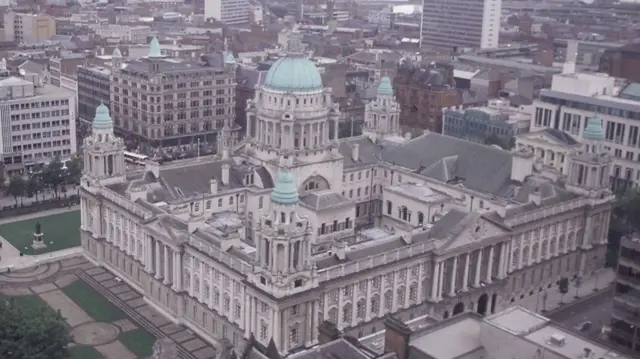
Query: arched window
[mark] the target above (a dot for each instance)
(420, 218)
(347, 223)
(389, 207)
(335, 226)
(283, 217)
(404, 213)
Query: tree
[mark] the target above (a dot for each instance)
(74, 170)
(16, 187)
(564, 287)
(32, 331)
(33, 186)
(53, 176)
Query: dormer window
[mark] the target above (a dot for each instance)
(248, 179)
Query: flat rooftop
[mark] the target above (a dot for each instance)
(517, 321)
(459, 338)
(574, 345)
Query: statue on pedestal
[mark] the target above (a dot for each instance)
(38, 237)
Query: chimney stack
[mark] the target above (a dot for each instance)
(396, 337)
(327, 332)
(213, 186)
(355, 154)
(226, 168)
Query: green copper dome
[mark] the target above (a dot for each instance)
(228, 58)
(102, 120)
(285, 191)
(116, 54)
(594, 130)
(293, 74)
(385, 87)
(154, 48)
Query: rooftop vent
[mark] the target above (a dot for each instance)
(558, 340)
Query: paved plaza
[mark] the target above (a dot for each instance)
(127, 325)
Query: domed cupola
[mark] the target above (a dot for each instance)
(154, 49)
(102, 119)
(385, 88)
(285, 191)
(293, 73)
(594, 130)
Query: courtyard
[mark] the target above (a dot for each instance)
(60, 231)
(107, 318)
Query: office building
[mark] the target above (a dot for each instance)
(498, 121)
(574, 98)
(625, 315)
(28, 29)
(461, 24)
(38, 123)
(93, 89)
(264, 241)
(229, 12)
(162, 102)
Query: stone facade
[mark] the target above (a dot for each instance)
(228, 245)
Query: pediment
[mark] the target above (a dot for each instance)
(474, 229)
(544, 137)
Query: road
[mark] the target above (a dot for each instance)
(596, 309)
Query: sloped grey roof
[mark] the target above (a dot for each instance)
(479, 167)
(324, 200)
(563, 137)
(445, 226)
(194, 179)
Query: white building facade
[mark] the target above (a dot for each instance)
(38, 123)
(261, 241)
(461, 24)
(576, 97)
(230, 12)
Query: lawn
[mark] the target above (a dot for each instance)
(138, 341)
(92, 302)
(84, 352)
(28, 302)
(60, 231)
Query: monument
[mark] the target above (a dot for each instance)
(38, 238)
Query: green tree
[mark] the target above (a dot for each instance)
(74, 170)
(53, 175)
(34, 186)
(32, 331)
(16, 187)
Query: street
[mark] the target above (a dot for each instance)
(596, 309)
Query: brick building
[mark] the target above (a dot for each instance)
(422, 93)
(622, 62)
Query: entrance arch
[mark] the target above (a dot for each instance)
(482, 304)
(459, 308)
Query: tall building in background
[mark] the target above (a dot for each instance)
(28, 29)
(461, 23)
(38, 123)
(230, 12)
(625, 316)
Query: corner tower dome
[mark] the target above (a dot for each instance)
(154, 48)
(116, 54)
(284, 191)
(294, 74)
(385, 87)
(594, 130)
(102, 120)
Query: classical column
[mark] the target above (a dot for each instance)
(503, 252)
(176, 264)
(465, 277)
(248, 313)
(166, 275)
(315, 322)
(158, 261)
(452, 289)
(476, 280)
(148, 254)
(434, 281)
(521, 249)
(490, 264)
(440, 280)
